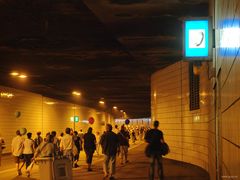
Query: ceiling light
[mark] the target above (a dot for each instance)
(22, 76)
(101, 102)
(115, 107)
(76, 93)
(14, 73)
(49, 103)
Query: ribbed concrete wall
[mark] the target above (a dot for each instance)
(43, 114)
(187, 132)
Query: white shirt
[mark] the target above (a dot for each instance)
(45, 149)
(17, 145)
(66, 142)
(28, 145)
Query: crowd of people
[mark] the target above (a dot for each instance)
(112, 142)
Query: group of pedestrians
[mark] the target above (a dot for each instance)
(25, 150)
(70, 143)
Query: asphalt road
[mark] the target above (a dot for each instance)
(136, 169)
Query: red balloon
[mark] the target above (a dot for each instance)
(91, 120)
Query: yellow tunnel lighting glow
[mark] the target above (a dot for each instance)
(203, 94)
(155, 94)
(76, 93)
(22, 76)
(6, 95)
(14, 73)
(115, 107)
(101, 102)
(49, 103)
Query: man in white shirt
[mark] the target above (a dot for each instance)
(66, 144)
(17, 150)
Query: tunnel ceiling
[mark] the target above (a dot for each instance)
(103, 48)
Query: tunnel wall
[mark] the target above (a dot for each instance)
(38, 113)
(227, 65)
(190, 134)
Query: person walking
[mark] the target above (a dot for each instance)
(17, 150)
(28, 150)
(116, 129)
(56, 142)
(97, 142)
(133, 136)
(38, 140)
(154, 138)
(77, 141)
(110, 147)
(66, 144)
(124, 137)
(80, 134)
(46, 148)
(2, 146)
(89, 146)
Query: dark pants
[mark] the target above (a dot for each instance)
(28, 159)
(156, 158)
(89, 156)
(76, 157)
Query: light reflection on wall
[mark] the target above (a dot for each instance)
(6, 95)
(229, 37)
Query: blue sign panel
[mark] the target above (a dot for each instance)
(197, 42)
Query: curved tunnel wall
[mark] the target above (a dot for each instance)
(188, 133)
(38, 113)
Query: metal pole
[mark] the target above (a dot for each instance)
(74, 117)
(217, 103)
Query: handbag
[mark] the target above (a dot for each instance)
(148, 151)
(164, 149)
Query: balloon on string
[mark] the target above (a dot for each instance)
(23, 131)
(17, 114)
(127, 121)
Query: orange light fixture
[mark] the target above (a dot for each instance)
(22, 76)
(101, 102)
(76, 93)
(14, 73)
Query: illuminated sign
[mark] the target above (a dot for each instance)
(76, 119)
(6, 95)
(229, 37)
(197, 39)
